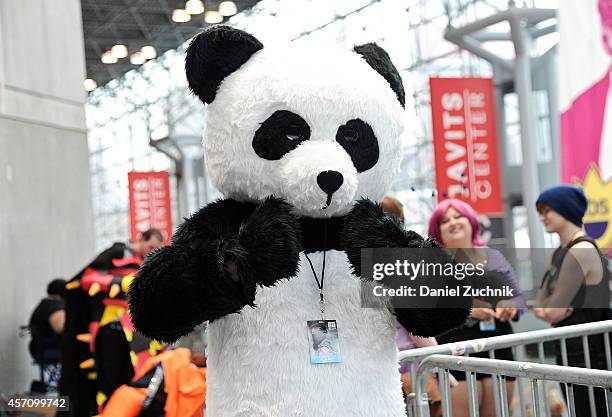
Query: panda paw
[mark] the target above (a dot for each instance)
(166, 296)
(270, 242)
(368, 226)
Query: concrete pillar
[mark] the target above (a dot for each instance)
(46, 220)
(501, 76)
(523, 87)
(192, 184)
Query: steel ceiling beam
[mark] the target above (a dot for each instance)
(134, 23)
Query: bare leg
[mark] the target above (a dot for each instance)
(460, 398)
(487, 405)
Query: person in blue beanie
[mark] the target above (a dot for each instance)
(568, 201)
(575, 288)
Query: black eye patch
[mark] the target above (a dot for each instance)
(279, 134)
(358, 140)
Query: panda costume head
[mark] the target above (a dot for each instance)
(302, 142)
(318, 127)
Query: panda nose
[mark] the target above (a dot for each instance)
(330, 181)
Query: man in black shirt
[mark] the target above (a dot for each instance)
(47, 324)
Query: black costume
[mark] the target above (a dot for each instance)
(583, 302)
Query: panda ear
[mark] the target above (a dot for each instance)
(379, 60)
(213, 55)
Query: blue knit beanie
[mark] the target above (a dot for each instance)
(570, 202)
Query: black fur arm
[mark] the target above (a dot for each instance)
(367, 226)
(211, 269)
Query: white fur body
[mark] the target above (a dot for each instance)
(259, 361)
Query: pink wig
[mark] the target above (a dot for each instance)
(465, 210)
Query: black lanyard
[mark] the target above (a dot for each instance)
(320, 283)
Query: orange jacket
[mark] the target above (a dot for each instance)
(185, 386)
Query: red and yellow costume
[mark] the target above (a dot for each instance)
(101, 351)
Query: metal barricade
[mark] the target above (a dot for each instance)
(515, 341)
(500, 370)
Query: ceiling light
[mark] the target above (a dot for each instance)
(194, 7)
(90, 84)
(137, 59)
(180, 16)
(148, 52)
(213, 17)
(109, 58)
(227, 8)
(119, 51)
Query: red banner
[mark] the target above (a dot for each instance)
(150, 203)
(465, 142)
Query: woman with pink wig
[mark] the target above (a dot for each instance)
(454, 224)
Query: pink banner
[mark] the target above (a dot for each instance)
(585, 57)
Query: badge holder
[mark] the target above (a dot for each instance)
(487, 325)
(323, 339)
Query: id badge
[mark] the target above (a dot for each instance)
(323, 341)
(487, 325)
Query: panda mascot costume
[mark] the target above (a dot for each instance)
(301, 141)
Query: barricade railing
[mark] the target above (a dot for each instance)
(536, 373)
(514, 341)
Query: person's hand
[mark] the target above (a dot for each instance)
(538, 312)
(559, 314)
(482, 313)
(452, 381)
(552, 315)
(505, 310)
